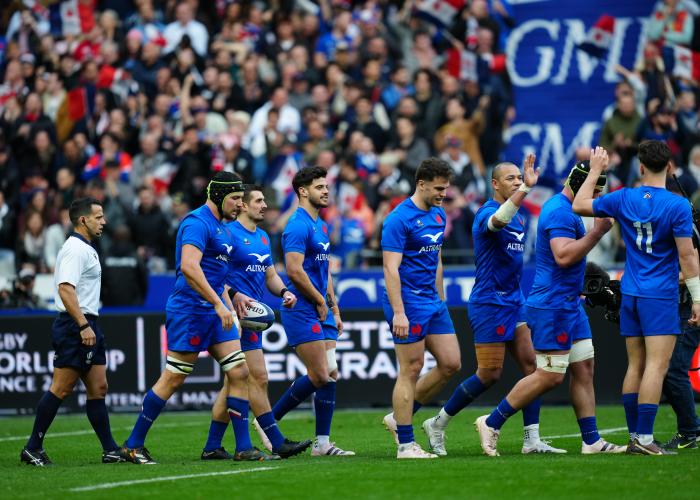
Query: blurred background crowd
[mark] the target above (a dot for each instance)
(138, 102)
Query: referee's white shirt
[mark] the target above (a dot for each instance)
(78, 264)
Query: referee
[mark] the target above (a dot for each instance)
(77, 340)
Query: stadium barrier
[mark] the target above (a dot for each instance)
(136, 345)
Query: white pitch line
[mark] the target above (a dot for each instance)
(293, 416)
(602, 431)
(90, 431)
(106, 486)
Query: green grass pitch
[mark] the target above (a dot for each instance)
(176, 441)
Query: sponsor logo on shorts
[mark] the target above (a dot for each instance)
(416, 329)
(316, 328)
(253, 337)
(195, 340)
(500, 330)
(562, 337)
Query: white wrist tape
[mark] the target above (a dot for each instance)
(506, 212)
(524, 188)
(693, 285)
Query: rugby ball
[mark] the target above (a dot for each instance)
(259, 317)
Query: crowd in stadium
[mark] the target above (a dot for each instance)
(138, 103)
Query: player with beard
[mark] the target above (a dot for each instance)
(496, 304)
(250, 271)
(309, 325)
(197, 319)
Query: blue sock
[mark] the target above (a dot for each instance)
(416, 406)
(465, 393)
(151, 408)
(99, 419)
(646, 416)
(216, 435)
(499, 416)
(45, 413)
(531, 413)
(272, 431)
(629, 401)
(238, 412)
(300, 389)
(324, 403)
(589, 430)
(405, 433)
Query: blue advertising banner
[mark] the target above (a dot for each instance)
(561, 91)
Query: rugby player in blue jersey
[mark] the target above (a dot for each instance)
(250, 271)
(311, 329)
(414, 301)
(197, 319)
(561, 334)
(656, 227)
(496, 304)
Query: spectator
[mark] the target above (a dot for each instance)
(32, 241)
(124, 274)
(23, 296)
(146, 163)
(149, 228)
(185, 25)
(110, 150)
(619, 135)
(466, 130)
(671, 23)
(410, 149)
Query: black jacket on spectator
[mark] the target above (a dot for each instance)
(150, 230)
(124, 276)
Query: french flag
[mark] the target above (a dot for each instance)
(439, 12)
(599, 37)
(65, 18)
(681, 62)
(461, 64)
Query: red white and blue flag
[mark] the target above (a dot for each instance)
(65, 18)
(681, 62)
(462, 64)
(439, 12)
(599, 37)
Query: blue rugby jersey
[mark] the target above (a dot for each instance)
(556, 287)
(310, 238)
(418, 235)
(201, 229)
(499, 259)
(250, 259)
(650, 218)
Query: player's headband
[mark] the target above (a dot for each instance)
(218, 191)
(578, 175)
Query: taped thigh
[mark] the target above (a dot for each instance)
(332, 363)
(490, 355)
(555, 363)
(178, 366)
(581, 351)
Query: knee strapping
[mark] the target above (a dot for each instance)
(178, 366)
(332, 363)
(232, 360)
(581, 351)
(555, 363)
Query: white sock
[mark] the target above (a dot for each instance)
(323, 440)
(532, 433)
(443, 418)
(645, 439)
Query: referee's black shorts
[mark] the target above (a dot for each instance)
(69, 350)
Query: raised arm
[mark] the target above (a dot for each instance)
(583, 201)
(507, 211)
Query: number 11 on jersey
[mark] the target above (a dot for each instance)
(642, 238)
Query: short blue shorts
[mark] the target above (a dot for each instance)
(302, 325)
(557, 329)
(69, 350)
(196, 332)
(250, 340)
(643, 317)
(424, 318)
(494, 323)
